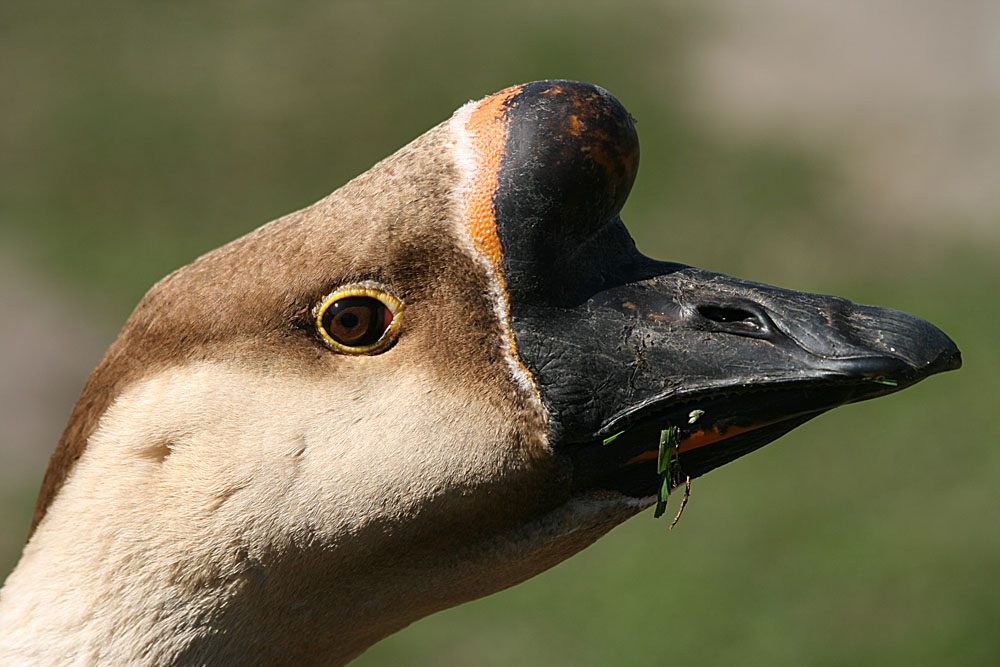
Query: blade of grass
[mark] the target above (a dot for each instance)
(887, 382)
(662, 497)
(611, 438)
(667, 439)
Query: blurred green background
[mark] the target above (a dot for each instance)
(800, 145)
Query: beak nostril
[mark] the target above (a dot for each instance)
(730, 315)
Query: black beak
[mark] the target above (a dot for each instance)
(623, 347)
(732, 364)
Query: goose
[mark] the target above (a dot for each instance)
(447, 376)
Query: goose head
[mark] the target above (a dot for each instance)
(447, 376)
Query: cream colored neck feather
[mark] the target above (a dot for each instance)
(190, 535)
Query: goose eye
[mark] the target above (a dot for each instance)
(358, 319)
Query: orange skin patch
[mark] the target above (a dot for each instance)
(486, 129)
(487, 132)
(699, 439)
(710, 435)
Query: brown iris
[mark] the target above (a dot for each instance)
(358, 319)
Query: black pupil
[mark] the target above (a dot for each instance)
(357, 321)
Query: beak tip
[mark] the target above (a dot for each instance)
(913, 347)
(935, 349)
(949, 358)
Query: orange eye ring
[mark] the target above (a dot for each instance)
(358, 320)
